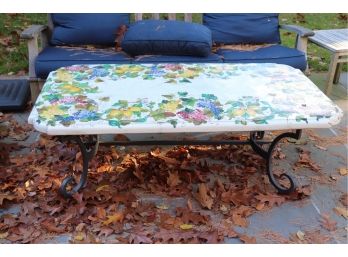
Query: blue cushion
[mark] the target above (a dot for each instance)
(52, 58)
(212, 58)
(167, 38)
(272, 54)
(86, 28)
(243, 28)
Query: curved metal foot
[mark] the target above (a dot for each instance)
(88, 150)
(281, 189)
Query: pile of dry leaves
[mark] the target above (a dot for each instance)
(163, 195)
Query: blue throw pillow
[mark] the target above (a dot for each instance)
(243, 28)
(167, 38)
(87, 28)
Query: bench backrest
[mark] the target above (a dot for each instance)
(171, 16)
(138, 17)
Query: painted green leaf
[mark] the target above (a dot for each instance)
(301, 118)
(157, 115)
(185, 81)
(104, 99)
(125, 122)
(171, 96)
(174, 122)
(171, 81)
(114, 123)
(182, 94)
(209, 96)
(260, 121)
(189, 101)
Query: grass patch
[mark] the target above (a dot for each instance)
(13, 51)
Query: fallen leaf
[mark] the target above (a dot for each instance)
(168, 160)
(300, 235)
(51, 227)
(137, 172)
(328, 223)
(80, 227)
(248, 240)
(162, 207)
(306, 161)
(343, 171)
(189, 204)
(117, 217)
(270, 199)
(344, 199)
(341, 211)
(7, 197)
(321, 147)
(203, 198)
(104, 187)
(239, 220)
(173, 179)
(79, 237)
(3, 235)
(101, 213)
(139, 239)
(186, 226)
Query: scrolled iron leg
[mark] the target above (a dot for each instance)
(281, 189)
(254, 136)
(88, 150)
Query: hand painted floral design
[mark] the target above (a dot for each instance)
(196, 116)
(250, 108)
(203, 95)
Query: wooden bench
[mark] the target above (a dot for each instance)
(39, 37)
(336, 41)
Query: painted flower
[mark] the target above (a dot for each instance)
(67, 100)
(124, 69)
(49, 112)
(98, 72)
(173, 67)
(85, 115)
(196, 116)
(125, 113)
(76, 68)
(170, 106)
(70, 89)
(155, 71)
(212, 107)
(64, 76)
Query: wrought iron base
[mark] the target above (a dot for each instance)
(89, 148)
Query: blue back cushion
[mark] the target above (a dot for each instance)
(87, 28)
(167, 38)
(253, 28)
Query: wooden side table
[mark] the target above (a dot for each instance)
(336, 41)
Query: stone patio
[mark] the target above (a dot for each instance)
(288, 218)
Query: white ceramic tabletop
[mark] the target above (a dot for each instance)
(169, 98)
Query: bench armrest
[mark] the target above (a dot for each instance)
(301, 31)
(301, 38)
(32, 35)
(33, 31)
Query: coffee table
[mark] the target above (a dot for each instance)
(81, 102)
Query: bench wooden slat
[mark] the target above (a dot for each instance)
(337, 39)
(172, 16)
(188, 17)
(138, 16)
(155, 16)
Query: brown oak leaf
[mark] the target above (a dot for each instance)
(203, 198)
